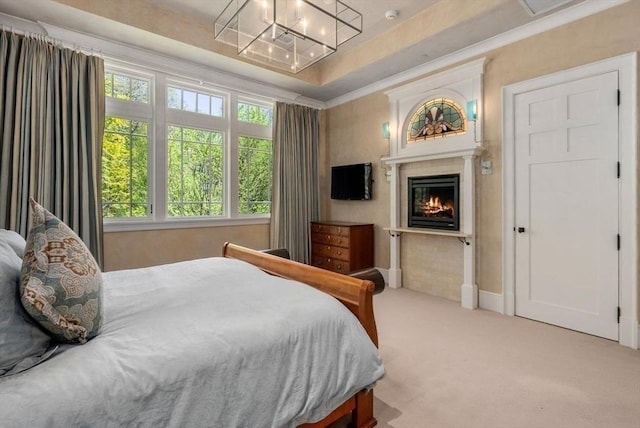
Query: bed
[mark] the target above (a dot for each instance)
(232, 341)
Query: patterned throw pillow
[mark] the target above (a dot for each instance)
(61, 285)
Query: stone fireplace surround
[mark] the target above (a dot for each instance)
(449, 155)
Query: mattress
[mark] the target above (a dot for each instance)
(206, 343)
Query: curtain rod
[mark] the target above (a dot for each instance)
(43, 37)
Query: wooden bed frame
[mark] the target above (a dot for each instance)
(356, 294)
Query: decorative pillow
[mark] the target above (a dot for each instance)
(61, 284)
(22, 343)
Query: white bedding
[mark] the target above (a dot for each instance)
(209, 343)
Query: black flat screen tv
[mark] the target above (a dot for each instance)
(351, 182)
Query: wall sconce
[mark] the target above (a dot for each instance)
(472, 115)
(386, 134)
(472, 110)
(385, 130)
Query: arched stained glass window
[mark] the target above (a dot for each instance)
(436, 118)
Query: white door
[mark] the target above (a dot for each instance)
(566, 213)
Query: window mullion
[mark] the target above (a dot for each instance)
(159, 174)
(130, 142)
(231, 159)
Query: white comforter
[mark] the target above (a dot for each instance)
(209, 343)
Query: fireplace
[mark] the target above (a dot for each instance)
(434, 202)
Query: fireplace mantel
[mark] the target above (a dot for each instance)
(421, 231)
(399, 160)
(469, 288)
(461, 84)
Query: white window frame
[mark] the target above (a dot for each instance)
(251, 130)
(160, 116)
(132, 110)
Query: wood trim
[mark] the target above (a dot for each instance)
(356, 294)
(362, 415)
(344, 409)
(361, 408)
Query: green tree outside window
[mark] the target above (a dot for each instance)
(255, 166)
(195, 172)
(124, 168)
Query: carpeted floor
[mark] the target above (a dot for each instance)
(451, 367)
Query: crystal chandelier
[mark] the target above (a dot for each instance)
(287, 34)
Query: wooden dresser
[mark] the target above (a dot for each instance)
(341, 246)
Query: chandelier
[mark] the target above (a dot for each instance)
(287, 34)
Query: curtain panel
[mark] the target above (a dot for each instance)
(51, 126)
(296, 137)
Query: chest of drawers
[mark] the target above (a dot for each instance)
(341, 247)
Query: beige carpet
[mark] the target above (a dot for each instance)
(451, 367)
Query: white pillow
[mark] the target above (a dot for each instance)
(14, 240)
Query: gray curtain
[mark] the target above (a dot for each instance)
(296, 136)
(51, 125)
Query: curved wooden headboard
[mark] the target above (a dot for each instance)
(356, 294)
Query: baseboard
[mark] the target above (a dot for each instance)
(495, 302)
(629, 332)
(490, 301)
(469, 296)
(486, 299)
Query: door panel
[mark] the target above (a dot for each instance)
(567, 201)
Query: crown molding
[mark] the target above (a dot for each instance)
(563, 17)
(123, 53)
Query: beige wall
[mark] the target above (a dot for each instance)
(354, 135)
(126, 250)
(353, 129)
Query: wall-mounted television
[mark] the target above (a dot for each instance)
(351, 182)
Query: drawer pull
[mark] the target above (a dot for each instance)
(339, 267)
(339, 253)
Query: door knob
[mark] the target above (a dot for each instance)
(521, 230)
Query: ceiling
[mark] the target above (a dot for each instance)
(373, 11)
(424, 30)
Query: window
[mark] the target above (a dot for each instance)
(255, 157)
(253, 113)
(125, 87)
(125, 147)
(172, 153)
(124, 168)
(193, 101)
(255, 164)
(195, 172)
(436, 118)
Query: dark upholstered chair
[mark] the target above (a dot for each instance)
(372, 274)
(280, 252)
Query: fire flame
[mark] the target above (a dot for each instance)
(434, 207)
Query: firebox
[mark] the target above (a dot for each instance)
(434, 202)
